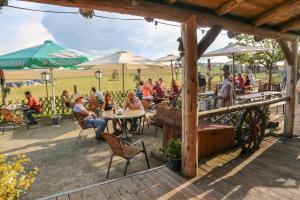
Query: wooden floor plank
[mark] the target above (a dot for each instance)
(121, 191)
(163, 184)
(137, 189)
(86, 194)
(75, 196)
(154, 186)
(97, 193)
(63, 197)
(109, 192)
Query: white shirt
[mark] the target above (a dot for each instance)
(99, 95)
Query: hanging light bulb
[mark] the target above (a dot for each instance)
(149, 19)
(156, 23)
(86, 13)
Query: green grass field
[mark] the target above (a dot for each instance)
(84, 80)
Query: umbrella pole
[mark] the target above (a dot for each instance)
(172, 69)
(53, 93)
(123, 77)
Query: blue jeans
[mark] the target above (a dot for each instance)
(99, 125)
(28, 115)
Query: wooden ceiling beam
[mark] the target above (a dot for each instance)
(290, 25)
(148, 8)
(286, 51)
(208, 39)
(228, 6)
(170, 1)
(277, 11)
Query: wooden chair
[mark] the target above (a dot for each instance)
(80, 119)
(94, 105)
(146, 105)
(9, 118)
(124, 150)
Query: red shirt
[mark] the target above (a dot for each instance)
(159, 91)
(241, 82)
(34, 104)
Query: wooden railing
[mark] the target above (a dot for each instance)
(221, 111)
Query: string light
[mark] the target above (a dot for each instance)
(148, 19)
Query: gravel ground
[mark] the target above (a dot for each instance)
(65, 166)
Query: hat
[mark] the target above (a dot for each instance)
(77, 96)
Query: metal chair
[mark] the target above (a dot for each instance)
(10, 118)
(80, 119)
(124, 150)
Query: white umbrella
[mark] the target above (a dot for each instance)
(168, 59)
(121, 59)
(234, 49)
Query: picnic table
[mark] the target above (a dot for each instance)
(122, 117)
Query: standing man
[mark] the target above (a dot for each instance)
(35, 107)
(201, 82)
(89, 120)
(225, 95)
(97, 94)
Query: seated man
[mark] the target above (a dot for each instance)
(132, 103)
(90, 119)
(35, 107)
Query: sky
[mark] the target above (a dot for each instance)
(95, 37)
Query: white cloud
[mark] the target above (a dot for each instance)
(21, 29)
(97, 36)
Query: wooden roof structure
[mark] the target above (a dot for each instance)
(264, 18)
(277, 19)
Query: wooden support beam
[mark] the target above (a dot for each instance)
(291, 92)
(277, 11)
(208, 39)
(227, 6)
(286, 51)
(189, 104)
(290, 25)
(169, 12)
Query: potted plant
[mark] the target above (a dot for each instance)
(172, 152)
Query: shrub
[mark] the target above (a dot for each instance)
(15, 178)
(172, 150)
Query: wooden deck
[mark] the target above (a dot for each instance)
(273, 172)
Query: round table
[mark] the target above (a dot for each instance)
(127, 114)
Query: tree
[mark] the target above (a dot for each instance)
(266, 58)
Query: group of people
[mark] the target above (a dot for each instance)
(158, 92)
(247, 82)
(106, 103)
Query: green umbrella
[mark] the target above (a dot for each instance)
(48, 55)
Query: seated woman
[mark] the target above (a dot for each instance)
(147, 92)
(66, 99)
(109, 104)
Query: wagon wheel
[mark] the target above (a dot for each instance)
(251, 129)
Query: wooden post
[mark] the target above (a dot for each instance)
(209, 74)
(75, 89)
(291, 87)
(189, 105)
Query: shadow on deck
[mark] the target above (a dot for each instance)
(270, 173)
